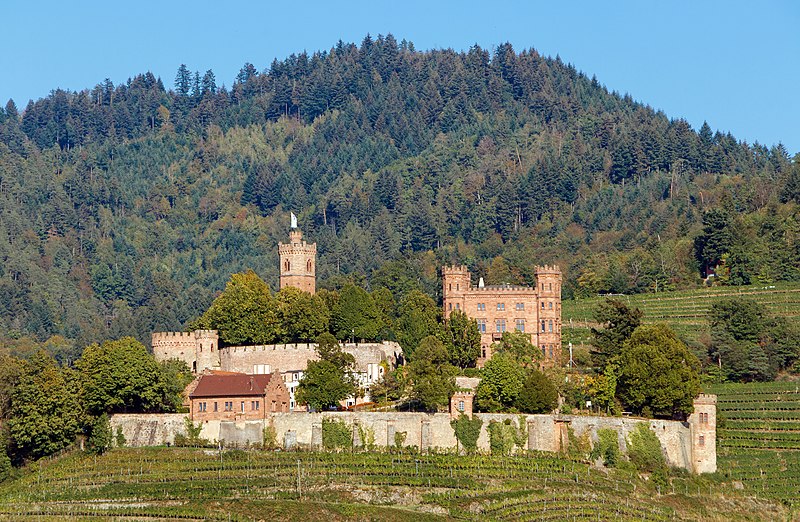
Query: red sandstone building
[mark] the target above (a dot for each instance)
(237, 396)
(506, 308)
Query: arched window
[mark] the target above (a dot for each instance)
(308, 266)
(286, 266)
(550, 326)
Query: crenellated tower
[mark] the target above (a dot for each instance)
(548, 308)
(456, 282)
(298, 263)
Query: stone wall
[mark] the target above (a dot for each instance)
(424, 431)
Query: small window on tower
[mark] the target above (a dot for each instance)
(308, 266)
(287, 266)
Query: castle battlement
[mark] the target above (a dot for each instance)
(453, 269)
(173, 336)
(706, 399)
(547, 269)
(500, 288)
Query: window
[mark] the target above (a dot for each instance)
(458, 306)
(520, 306)
(501, 306)
(287, 266)
(481, 307)
(242, 407)
(215, 407)
(550, 286)
(255, 405)
(201, 406)
(542, 287)
(520, 325)
(460, 405)
(309, 266)
(500, 325)
(551, 351)
(544, 350)
(543, 326)
(228, 406)
(450, 287)
(550, 305)
(273, 405)
(481, 325)
(542, 305)
(458, 287)
(550, 326)
(449, 306)
(702, 441)
(291, 403)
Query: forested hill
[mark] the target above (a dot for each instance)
(126, 208)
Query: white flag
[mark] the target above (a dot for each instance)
(294, 220)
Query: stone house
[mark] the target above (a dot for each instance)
(226, 396)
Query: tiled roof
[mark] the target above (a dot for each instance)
(231, 385)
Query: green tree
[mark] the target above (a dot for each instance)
(10, 371)
(100, 435)
(244, 313)
(329, 380)
(431, 375)
(658, 374)
(467, 432)
(122, 376)
(618, 321)
(715, 240)
(355, 314)
(518, 346)
(538, 394)
(502, 380)
(463, 340)
(303, 316)
(418, 319)
(46, 411)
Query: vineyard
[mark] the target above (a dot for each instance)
(758, 443)
(685, 312)
(196, 484)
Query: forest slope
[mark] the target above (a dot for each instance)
(126, 208)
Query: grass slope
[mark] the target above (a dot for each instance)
(196, 484)
(685, 312)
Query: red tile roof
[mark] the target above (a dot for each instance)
(231, 385)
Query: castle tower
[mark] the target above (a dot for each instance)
(298, 262)
(548, 308)
(703, 423)
(207, 350)
(456, 282)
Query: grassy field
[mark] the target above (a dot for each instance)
(758, 446)
(196, 484)
(686, 312)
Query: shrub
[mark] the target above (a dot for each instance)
(5, 465)
(120, 438)
(100, 436)
(336, 435)
(269, 438)
(644, 449)
(192, 437)
(467, 432)
(579, 447)
(607, 447)
(399, 439)
(538, 394)
(502, 437)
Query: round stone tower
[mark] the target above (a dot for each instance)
(298, 263)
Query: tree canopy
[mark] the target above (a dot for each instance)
(657, 374)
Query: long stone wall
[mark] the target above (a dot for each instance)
(424, 431)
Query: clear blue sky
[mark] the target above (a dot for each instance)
(733, 63)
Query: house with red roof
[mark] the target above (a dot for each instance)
(237, 396)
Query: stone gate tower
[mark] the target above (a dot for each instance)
(298, 261)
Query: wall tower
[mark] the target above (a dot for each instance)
(298, 262)
(703, 424)
(548, 308)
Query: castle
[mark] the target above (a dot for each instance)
(201, 350)
(501, 308)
